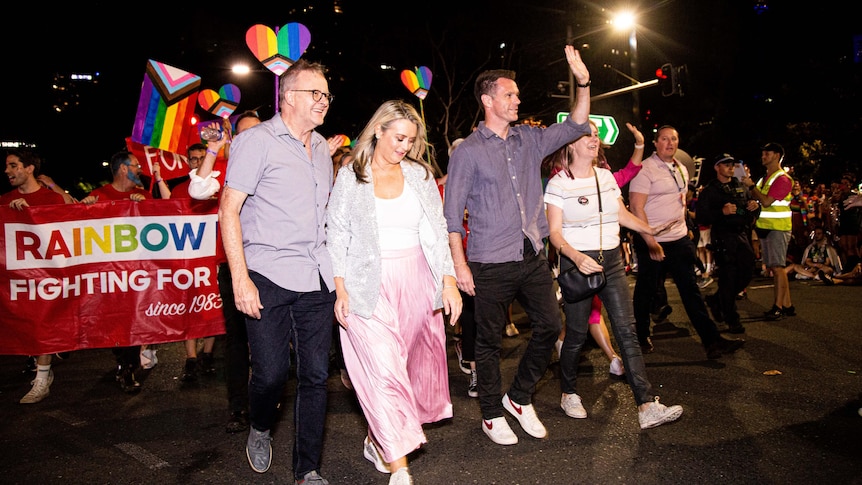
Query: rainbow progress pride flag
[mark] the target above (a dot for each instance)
(165, 108)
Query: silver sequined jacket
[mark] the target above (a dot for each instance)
(353, 241)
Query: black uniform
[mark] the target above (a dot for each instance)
(731, 245)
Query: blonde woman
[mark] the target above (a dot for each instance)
(393, 273)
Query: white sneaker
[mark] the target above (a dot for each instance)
(41, 389)
(512, 330)
(617, 368)
(149, 358)
(571, 404)
(526, 416)
(657, 414)
(499, 431)
(401, 477)
(369, 449)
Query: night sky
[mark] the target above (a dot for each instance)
(758, 71)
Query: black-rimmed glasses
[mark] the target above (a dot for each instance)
(317, 94)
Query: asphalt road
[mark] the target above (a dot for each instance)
(740, 426)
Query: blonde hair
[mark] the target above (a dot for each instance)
(389, 112)
(559, 160)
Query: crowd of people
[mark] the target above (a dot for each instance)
(366, 247)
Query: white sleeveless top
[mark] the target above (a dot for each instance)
(398, 220)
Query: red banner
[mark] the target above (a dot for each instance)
(114, 273)
(172, 165)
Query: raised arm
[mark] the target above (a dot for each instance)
(581, 110)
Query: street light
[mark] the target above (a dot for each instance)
(626, 21)
(242, 69)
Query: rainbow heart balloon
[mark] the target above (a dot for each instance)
(418, 82)
(221, 103)
(278, 51)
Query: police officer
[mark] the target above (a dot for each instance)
(728, 207)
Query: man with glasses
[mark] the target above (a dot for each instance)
(272, 214)
(126, 184)
(657, 195)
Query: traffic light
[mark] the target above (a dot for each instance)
(666, 75)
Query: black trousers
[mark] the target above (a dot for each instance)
(734, 259)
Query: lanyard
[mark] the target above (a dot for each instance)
(673, 175)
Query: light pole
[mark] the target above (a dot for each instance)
(625, 21)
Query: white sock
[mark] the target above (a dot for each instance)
(42, 371)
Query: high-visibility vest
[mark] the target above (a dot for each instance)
(776, 217)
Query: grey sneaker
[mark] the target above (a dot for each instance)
(657, 414)
(571, 404)
(258, 450)
(312, 478)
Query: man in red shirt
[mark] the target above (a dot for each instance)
(22, 168)
(126, 184)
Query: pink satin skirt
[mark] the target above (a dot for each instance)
(397, 358)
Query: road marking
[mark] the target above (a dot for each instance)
(152, 461)
(67, 418)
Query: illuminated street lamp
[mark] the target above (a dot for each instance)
(242, 69)
(626, 21)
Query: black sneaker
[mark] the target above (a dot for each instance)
(737, 329)
(473, 385)
(190, 371)
(207, 363)
(126, 378)
(825, 278)
(723, 346)
(789, 311)
(30, 364)
(714, 306)
(773, 314)
(238, 422)
(662, 314)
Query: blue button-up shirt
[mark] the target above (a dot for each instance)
(499, 183)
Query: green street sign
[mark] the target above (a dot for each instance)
(608, 129)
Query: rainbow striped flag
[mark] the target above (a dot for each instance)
(165, 108)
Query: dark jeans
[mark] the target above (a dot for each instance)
(303, 320)
(237, 363)
(497, 285)
(618, 303)
(734, 259)
(679, 263)
(128, 356)
(468, 328)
